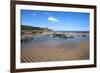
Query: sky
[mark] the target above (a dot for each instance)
(57, 21)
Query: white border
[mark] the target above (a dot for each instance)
(20, 65)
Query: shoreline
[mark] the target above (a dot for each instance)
(55, 50)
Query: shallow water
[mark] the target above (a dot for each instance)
(51, 39)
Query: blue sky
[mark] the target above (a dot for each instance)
(57, 21)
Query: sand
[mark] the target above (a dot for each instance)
(44, 51)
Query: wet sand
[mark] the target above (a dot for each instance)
(55, 50)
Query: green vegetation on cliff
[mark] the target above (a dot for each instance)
(24, 27)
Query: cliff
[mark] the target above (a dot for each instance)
(24, 27)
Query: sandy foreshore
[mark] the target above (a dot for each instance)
(54, 50)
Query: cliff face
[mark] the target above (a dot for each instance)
(29, 30)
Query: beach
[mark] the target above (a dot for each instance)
(55, 49)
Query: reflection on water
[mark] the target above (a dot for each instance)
(49, 38)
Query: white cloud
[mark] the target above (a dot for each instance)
(53, 19)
